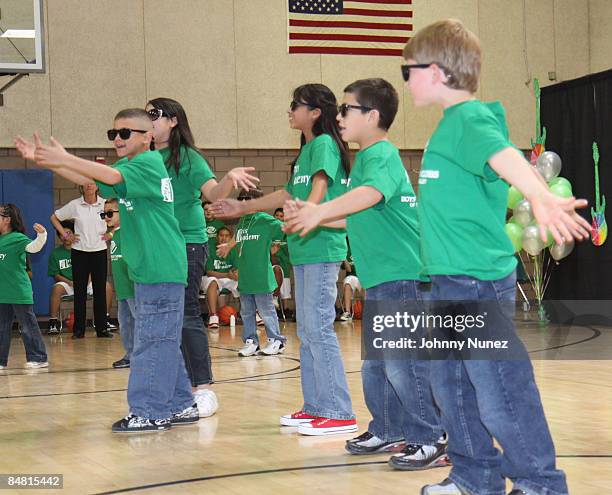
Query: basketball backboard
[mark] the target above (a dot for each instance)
(21, 36)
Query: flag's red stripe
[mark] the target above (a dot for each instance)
(351, 24)
(395, 2)
(348, 37)
(378, 13)
(345, 50)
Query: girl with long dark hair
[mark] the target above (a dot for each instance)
(16, 297)
(192, 178)
(318, 174)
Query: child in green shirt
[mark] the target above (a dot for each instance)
(159, 391)
(255, 234)
(124, 287)
(16, 299)
(463, 190)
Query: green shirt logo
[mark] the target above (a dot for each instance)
(2, 256)
(243, 235)
(166, 190)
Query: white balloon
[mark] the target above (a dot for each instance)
(549, 165)
(560, 251)
(523, 215)
(532, 242)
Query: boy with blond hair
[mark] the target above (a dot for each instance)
(469, 158)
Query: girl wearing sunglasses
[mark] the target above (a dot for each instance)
(318, 174)
(192, 178)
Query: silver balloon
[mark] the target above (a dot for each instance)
(549, 165)
(532, 242)
(523, 215)
(560, 251)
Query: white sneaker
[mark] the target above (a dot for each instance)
(273, 347)
(250, 348)
(3, 367)
(346, 316)
(207, 402)
(36, 364)
(259, 320)
(213, 322)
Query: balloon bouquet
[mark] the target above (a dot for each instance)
(522, 229)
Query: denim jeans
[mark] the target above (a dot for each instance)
(126, 313)
(30, 332)
(324, 384)
(485, 400)
(398, 391)
(158, 384)
(195, 338)
(249, 303)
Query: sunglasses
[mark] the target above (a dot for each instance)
(345, 107)
(108, 214)
(156, 113)
(124, 133)
(294, 105)
(406, 69)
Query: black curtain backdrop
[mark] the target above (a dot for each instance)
(576, 113)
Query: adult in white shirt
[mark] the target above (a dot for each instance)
(88, 253)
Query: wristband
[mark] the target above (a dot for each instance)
(65, 235)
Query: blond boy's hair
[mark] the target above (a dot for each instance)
(451, 46)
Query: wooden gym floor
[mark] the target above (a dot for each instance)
(58, 421)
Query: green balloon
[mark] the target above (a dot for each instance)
(514, 196)
(515, 233)
(560, 180)
(512, 220)
(561, 190)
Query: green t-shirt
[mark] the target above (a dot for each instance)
(462, 201)
(222, 265)
(322, 245)
(212, 228)
(124, 287)
(194, 172)
(152, 246)
(282, 256)
(15, 285)
(60, 263)
(254, 236)
(350, 260)
(384, 238)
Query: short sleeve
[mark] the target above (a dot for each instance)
(198, 169)
(377, 173)
(140, 178)
(67, 212)
(289, 186)
(276, 230)
(324, 157)
(107, 191)
(482, 137)
(52, 268)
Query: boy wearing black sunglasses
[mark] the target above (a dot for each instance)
(381, 204)
(159, 391)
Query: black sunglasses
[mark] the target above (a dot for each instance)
(406, 69)
(345, 107)
(124, 133)
(294, 105)
(108, 214)
(156, 113)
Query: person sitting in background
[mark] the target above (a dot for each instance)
(279, 255)
(60, 268)
(212, 228)
(350, 285)
(221, 273)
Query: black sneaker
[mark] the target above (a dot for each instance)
(517, 491)
(55, 326)
(186, 417)
(418, 457)
(122, 363)
(111, 327)
(78, 336)
(105, 335)
(138, 424)
(367, 443)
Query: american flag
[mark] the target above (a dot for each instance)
(351, 27)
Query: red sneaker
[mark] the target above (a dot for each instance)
(296, 419)
(327, 426)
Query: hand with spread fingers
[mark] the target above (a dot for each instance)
(559, 216)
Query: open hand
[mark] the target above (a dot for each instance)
(227, 208)
(39, 228)
(242, 179)
(560, 217)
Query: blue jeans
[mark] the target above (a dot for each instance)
(30, 332)
(249, 303)
(126, 313)
(324, 384)
(398, 391)
(158, 384)
(481, 400)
